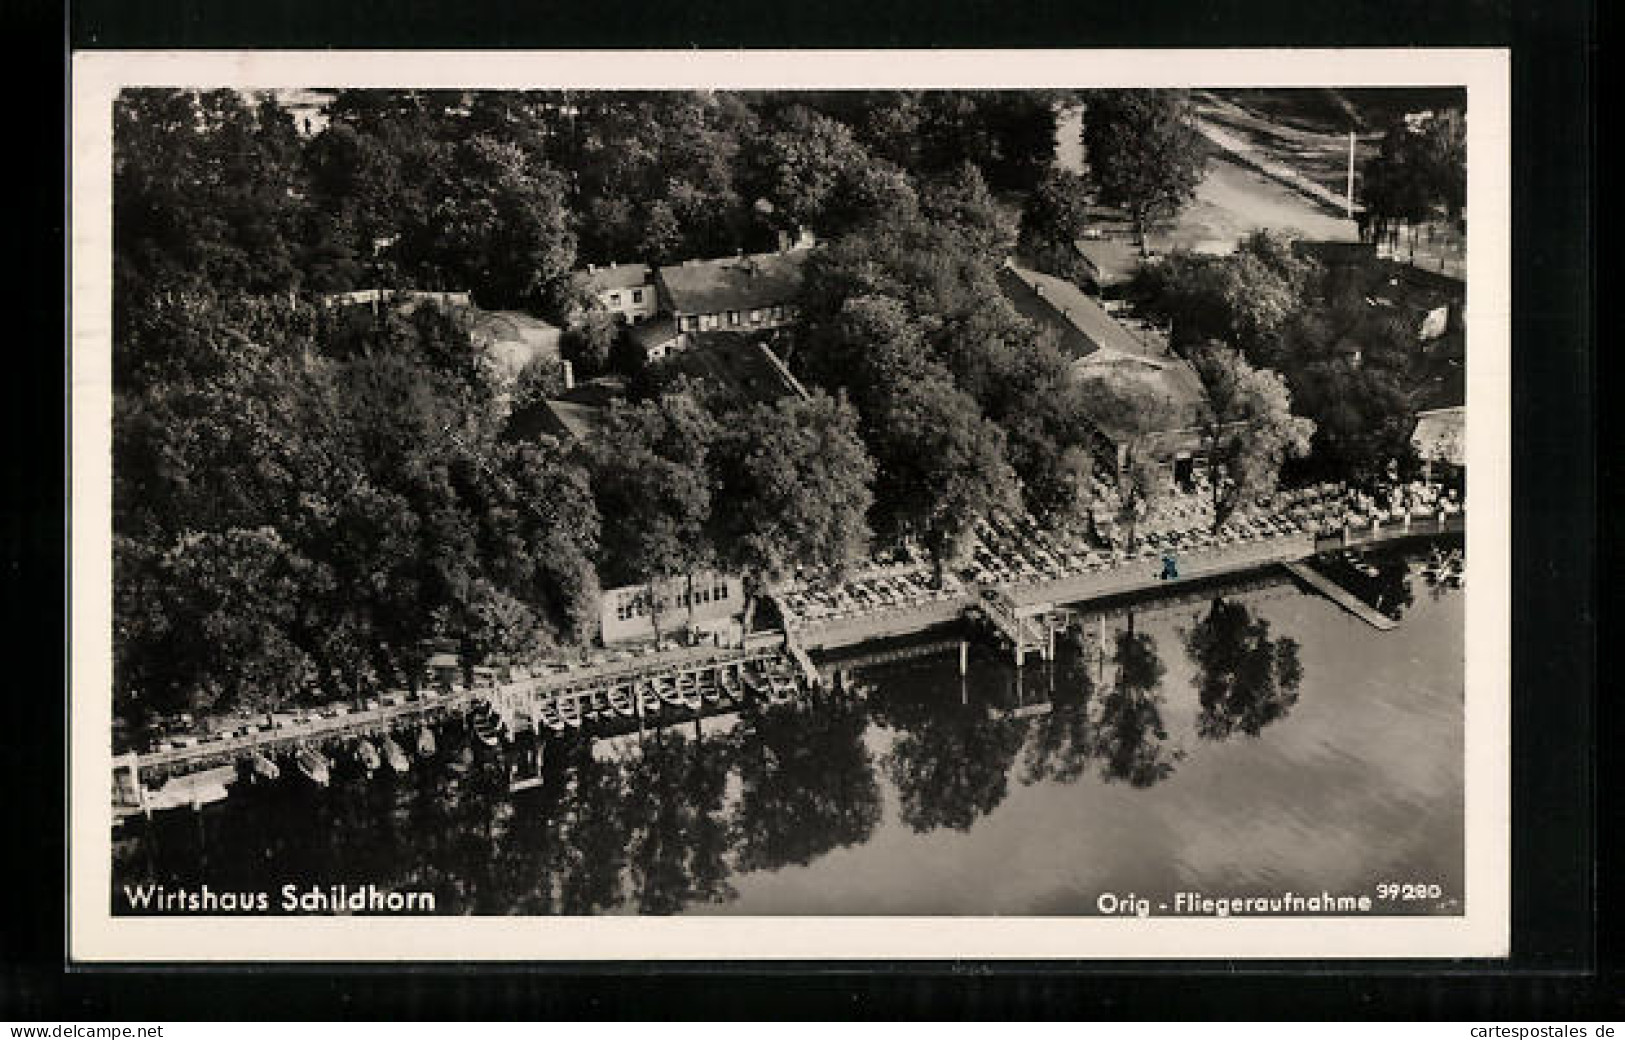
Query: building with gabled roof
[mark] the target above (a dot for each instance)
(749, 292)
(626, 291)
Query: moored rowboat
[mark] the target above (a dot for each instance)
(395, 756)
(570, 711)
(548, 712)
(648, 698)
(312, 766)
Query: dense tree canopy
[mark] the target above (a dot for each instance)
(794, 487)
(1350, 365)
(907, 316)
(342, 489)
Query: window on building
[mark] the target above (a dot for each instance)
(614, 299)
(689, 323)
(637, 295)
(733, 317)
(721, 590)
(756, 317)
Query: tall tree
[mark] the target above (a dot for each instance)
(1246, 298)
(961, 200)
(1421, 165)
(793, 487)
(1143, 151)
(651, 482)
(1055, 215)
(497, 226)
(1248, 428)
(941, 466)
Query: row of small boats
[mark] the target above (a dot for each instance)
(764, 680)
(312, 765)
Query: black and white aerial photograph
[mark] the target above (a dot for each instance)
(789, 502)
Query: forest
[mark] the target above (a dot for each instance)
(307, 499)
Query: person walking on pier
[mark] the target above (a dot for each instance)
(1170, 567)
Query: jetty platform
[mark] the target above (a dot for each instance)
(1341, 596)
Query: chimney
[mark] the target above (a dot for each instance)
(612, 265)
(569, 375)
(592, 268)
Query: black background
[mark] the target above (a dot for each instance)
(1565, 962)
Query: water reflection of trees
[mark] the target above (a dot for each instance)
(807, 782)
(1130, 739)
(1245, 679)
(1060, 743)
(951, 761)
(678, 840)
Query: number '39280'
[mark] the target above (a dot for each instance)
(1406, 892)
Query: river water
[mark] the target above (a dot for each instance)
(1240, 740)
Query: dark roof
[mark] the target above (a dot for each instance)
(577, 414)
(742, 362)
(615, 276)
(580, 422)
(1336, 252)
(1080, 322)
(735, 283)
(1173, 379)
(653, 333)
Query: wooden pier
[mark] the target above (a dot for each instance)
(518, 703)
(1341, 596)
(1024, 628)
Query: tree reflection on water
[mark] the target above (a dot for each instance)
(1060, 744)
(950, 762)
(1244, 678)
(1129, 736)
(807, 781)
(678, 838)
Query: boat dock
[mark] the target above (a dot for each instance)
(1341, 596)
(519, 703)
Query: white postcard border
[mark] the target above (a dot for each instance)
(95, 935)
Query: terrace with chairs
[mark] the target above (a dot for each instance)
(1011, 551)
(900, 586)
